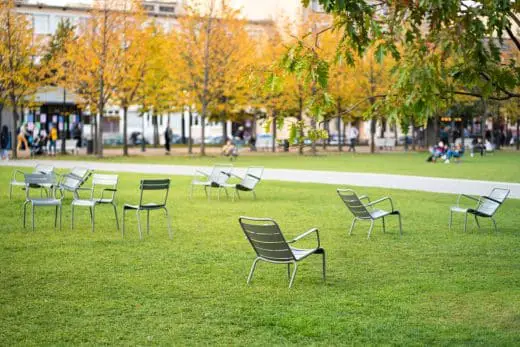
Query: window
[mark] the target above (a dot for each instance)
(167, 9)
(149, 8)
(41, 24)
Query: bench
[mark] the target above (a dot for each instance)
(70, 146)
(385, 143)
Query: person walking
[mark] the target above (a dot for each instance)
(22, 138)
(53, 137)
(4, 143)
(167, 138)
(353, 133)
(76, 134)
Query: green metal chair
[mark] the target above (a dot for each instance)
(36, 181)
(367, 211)
(247, 183)
(18, 178)
(102, 192)
(161, 186)
(270, 245)
(485, 206)
(82, 174)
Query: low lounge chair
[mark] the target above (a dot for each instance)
(247, 183)
(270, 245)
(485, 206)
(367, 211)
(216, 179)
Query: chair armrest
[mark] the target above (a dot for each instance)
(308, 232)
(467, 197)
(111, 190)
(381, 200)
(15, 172)
(364, 197)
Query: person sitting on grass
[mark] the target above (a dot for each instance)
(436, 152)
(456, 153)
(230, 150)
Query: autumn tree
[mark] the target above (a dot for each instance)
(20, 75)
(209, 44)
(95, 59)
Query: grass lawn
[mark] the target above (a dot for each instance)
(431, 286)
(502, 166)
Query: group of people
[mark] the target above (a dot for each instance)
(442, 151)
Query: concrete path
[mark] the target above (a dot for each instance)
(339, 179)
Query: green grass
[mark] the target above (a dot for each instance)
(502, 166)
(431, 286)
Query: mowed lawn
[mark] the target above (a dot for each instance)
(430, 286)
(502, 166)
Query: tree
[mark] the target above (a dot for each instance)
(133, 40)
(211, 59)
(95, 59)
(20, 75)
(56, 59)
(454, 45)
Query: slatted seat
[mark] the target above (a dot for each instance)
(247, 183)
(362, 211)
(270, 245)
(485, 206)
(36, 181)
(102, 192)
(18, 178)
(160, 186)
(218, 177)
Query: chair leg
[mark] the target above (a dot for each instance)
(93, 217)
(371, 226)
(115, 214)
(32, 217)
(400, 224)
(10, 191)
(206, 191)
(323, 262)
(288, 271)
(465, 221)
(60, 217)
(139, 224)
(218, 193)
(476, 220)
(148, 222)
(55, 216)
(352, 226)
(227, 194)
(169, 223)
(384, 231)
(24, 212)
(254, 195)
(293, 274)
(253, 267)
(123, 231)
(495, 224)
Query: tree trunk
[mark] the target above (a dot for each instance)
(14, 140)
(143, 138)
(273, 145)
(100, 136)
(1, 109)
(155, 124)
(326, 141)
(190, 138)
(383, 127)
(372, 135)
(518, 134)
(300, 128)
(183, 125)
(64, 131)
(414, 138)
(435, 129)
(224, 131)
(313, 143)
(483, 121)
(125, 131)
(338, 111)
(203, 131)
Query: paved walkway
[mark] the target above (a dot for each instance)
(340, 179)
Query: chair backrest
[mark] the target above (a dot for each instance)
(499, 194)
(217, 171)
(106, 181)
(80, 172)
(253, 177)
(71, 182)
(353, 203)
(43, 168)
(37, 180)
(267, 240)
(490, 204)
(154, 185)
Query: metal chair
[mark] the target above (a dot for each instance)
(247, 183)
(38, 180)
(108, 184)
(486, 206)
(267, 240)
(82, 174)
(366, 211)
(216, 179)
(17, 174)
(144, 204)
